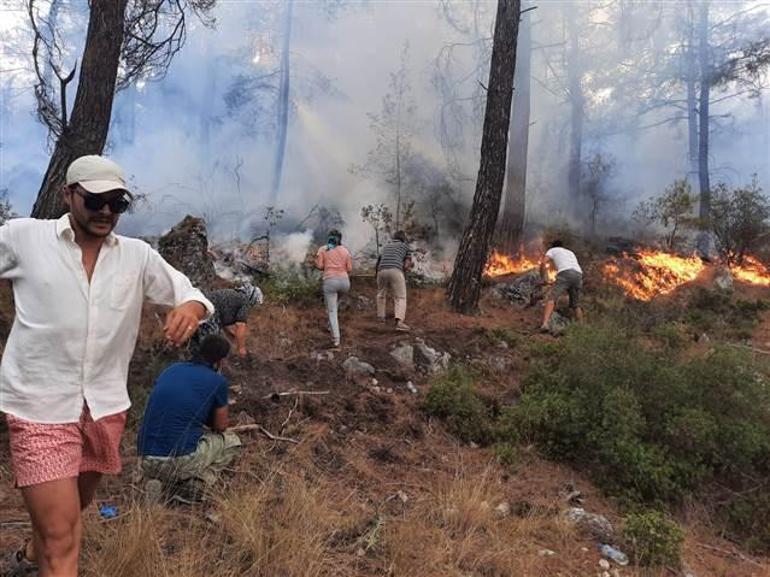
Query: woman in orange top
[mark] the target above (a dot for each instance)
(335, 262)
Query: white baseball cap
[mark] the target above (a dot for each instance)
(96, 174)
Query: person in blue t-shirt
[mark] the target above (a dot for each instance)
(183, 433)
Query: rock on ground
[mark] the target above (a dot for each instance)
(186, 247)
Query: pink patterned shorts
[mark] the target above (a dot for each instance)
(43, 452)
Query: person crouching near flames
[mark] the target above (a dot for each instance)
(183, 439)
(569, 279)
(336, 263)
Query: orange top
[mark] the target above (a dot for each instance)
(336, 262)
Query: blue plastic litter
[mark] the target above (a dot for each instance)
(108, 511)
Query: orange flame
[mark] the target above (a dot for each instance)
(651, 273)
(499, 264)
(751, 271)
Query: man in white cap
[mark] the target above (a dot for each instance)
(78, 291)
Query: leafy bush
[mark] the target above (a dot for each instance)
(291, 285)
(653, 539)
(649, 427)
(739, 219)
(748, 517)
(452, 397)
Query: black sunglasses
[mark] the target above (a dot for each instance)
(96, 202)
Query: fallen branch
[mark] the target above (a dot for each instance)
(288, 393)
(748, 348)
(261, 429)
(731, 554)
(288, 418)
(15, 524)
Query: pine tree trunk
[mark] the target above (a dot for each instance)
(514, 207)
(465, 284)
(703, 112)
(692, 100)
(89, 122)
(283, 104)
(577, 116)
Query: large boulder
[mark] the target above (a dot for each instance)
(186, 248)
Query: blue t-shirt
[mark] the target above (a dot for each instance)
(180, 404)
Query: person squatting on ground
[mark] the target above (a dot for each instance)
(396, 258)
(336, 263)
(232, 307)
(569, 279)
(78, 291)
(187, 398)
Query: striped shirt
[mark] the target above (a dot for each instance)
(393, 255)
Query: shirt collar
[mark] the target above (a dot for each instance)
(64, 230)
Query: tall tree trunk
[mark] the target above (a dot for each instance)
(89, 123)
(514, 207)
(692, 76)
(703, 111)
(577, 115)
(283, 103)
(465, 284)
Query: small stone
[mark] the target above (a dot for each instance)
(473, 445)
(360, 552)
(604, 564)
(376, 389)
(584, 549)
(403, 496)
(546, 553)
(389, 391)
(375, 382)
(605, 574)
(503, 510)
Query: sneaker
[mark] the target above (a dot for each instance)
(17, 565)
(402, 326)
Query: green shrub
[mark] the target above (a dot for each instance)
(503, 335)
(649, 427)
(290, 285)
(653, 539)
(453, 398)
(747, 516)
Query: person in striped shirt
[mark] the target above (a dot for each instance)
(396, 258)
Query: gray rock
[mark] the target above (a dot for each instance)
(503, 510)
(354, 366)
(557, 324)
(404, 354)
(597, 526)
(429, 359)
(186, 248)
(724, 280)
(523, 291)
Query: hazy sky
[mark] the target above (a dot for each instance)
(183, 150)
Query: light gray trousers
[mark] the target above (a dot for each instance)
(333, 287)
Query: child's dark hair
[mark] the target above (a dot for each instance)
(557, 243)
(335, 237)
(400, 235)
(212, 349)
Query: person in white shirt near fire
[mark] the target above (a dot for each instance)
(78, 291)
(569, 279)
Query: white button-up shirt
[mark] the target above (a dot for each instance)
(72, 340)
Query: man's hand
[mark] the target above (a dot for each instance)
(182, 322)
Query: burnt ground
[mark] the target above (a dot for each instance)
(372, 440)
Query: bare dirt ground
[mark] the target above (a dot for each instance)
(380, 463)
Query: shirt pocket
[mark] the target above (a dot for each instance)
(122, 289)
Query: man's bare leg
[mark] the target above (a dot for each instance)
(54, 508)
(579, 314)
(549, 306)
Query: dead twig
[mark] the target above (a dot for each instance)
(731, 554)
(288, 417)
(288, 393)
(748, 348)
(264, 431)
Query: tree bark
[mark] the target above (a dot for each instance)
(89, 123)
(514, 207)
(577, 115)
(283, 104)
(703, 111)
(691, 80)
(465, 284)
